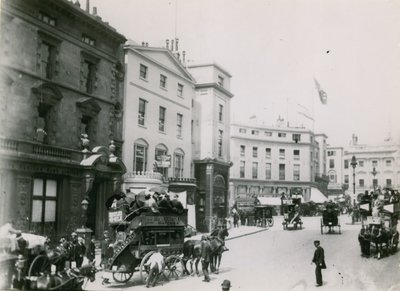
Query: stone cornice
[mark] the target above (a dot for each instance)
(215, 86)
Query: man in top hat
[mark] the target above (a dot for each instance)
(176, 204)
(205, 257)
(164, 203)
(226, 285)
(319, 261)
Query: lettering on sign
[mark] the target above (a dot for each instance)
(115, 216)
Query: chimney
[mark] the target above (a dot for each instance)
(176, 43)
(88, 6)
(178, 55)
(94, 11)
(77, 3)
(172, 45)
(167, 42)
(183, 56)
(147, 44)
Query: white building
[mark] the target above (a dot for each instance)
(269, 161)
(376, 166)
(157, 122)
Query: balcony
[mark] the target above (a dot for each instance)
(36, 150)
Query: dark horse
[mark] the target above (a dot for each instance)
(192, 251)
(380, 237)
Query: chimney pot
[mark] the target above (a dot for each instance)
(147, 44)
(176, 43)
(172, 45)
(167, 42)
(88, 6)
(77, 3)
(94, 11)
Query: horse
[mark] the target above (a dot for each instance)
(380, 237)
(192, 253)
(220, 249)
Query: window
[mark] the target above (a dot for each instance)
(281, 171)
(361, 182)
(242, 150)
(44, 205)
(178, 164)
(86, 125)
(346, 164)
(242, 130)
(47, 58)
(346, 179)
(281, 134)
(296, 154)
(375, 183)
(220, 113)
(388, 182)
(163, 81)
(142, 111)
(268, 171)
(281, 153)
(331, 153)
(331, 163)
(161, 119)
(254, 132)
(255, 152)
(296, 172)
(162, 160)
(374, 163)
(220, 81)
(88, 75)
(44, 123)
(296, 137)
(143, 71)
(220, 137)
(267, 153)
(88, 40)
(242, 168)
(180, 91)
(388, 163)
(361, 164)
(179, 118)
(47, 19)
(254, 170)
(268, 133)
(140, 157)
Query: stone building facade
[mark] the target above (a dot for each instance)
(61, 91)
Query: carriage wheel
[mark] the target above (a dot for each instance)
(122, 277)
(174, 267)
(40, 264)
(270, 222)
(143, 271)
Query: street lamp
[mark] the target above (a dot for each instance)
(354, 164)
(374, 172)
(85, 206)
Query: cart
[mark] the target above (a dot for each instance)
(264, 216)
(291, 214)
(145, 233)
(330, 218)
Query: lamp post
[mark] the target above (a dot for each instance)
(354, 164)
(84, 231)
(374, 172)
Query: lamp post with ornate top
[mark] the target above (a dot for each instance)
(354, 164)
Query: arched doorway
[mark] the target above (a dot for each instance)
(219, 196)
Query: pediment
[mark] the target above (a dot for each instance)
(89, 106)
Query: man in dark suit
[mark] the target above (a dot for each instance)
(205, 257)
(319, 261)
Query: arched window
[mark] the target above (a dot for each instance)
(162, 160)
(140, 155)
(179, 156)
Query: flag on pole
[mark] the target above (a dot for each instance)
(322, 94)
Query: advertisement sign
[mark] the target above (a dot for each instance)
(163, 161)
(115, 216)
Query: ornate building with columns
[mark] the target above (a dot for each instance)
(61, 91)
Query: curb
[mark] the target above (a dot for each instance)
(246, 234)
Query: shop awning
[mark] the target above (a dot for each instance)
(317, 196)
(269, 200)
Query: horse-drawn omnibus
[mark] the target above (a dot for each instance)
(330, 218)
(138, 235)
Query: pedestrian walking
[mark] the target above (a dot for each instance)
(104, 244)
(91, 251)
(226, 285)
(156, 266)
(80, 251)
(319, 261)
(205, 257)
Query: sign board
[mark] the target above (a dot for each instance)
(374, 220)
(287, 201)
(115, 216)
(163, 161)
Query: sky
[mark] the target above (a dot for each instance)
(275, 48)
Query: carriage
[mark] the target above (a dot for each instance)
(137, 239)
(291, 214)
(379, 230)
(330, 218)
(264, 215)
